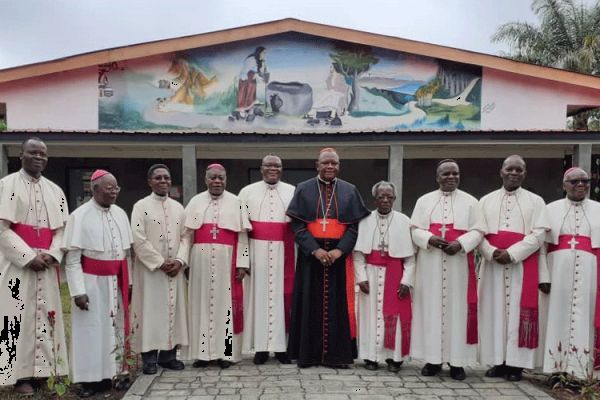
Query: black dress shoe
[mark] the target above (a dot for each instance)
(261, 357)
(282, 357)
(149, 369)
(122, 384)
(457, 373)
(23, 387)
(224, 364)
(393, 366)
(174, 365)
(200, 364)
(371, 365)
(497, 371)
(514, 374)
(86, 391)
(431, 369)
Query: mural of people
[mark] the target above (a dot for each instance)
(254, 67)
(310, 84)
(336, 97)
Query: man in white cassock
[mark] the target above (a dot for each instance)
(33, 212)
(272, 261)
(98, 241)
(511, 271)
(572, 340)
(446, 227)
(384, 266)
(158, 309)
(214, 245)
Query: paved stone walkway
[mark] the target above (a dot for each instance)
(273, 381)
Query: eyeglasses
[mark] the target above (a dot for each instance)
(578, 181)
(113, 189)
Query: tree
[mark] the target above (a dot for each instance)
(567, 37)
(352, 61)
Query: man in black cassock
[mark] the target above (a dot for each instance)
(325, 212)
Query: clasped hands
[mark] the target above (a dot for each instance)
(327, 258)
(403, 291)
(171, 267)
(502, 257)
(450, 248)
(42, 262)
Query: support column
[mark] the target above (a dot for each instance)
(395, 171)
(582, 156)
(189, 172)
(3, 161)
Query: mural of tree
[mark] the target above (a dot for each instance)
(352, 61)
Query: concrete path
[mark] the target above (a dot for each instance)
(274, 381)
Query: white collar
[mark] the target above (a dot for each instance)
(159, 198)
(99, 207)
(28, 177)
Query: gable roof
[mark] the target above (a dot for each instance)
(294, 25)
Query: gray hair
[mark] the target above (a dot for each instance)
(383, 185)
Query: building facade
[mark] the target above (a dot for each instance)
(391, 107)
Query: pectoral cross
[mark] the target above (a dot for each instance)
(573, 242)
(382, 247)
(214, 232)
(324, 223)
(443, 231)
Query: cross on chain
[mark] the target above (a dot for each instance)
(324, 223)
(382, 247)
(573, 242)
(214, 232)
(443, 231)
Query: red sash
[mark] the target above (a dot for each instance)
(36, 238)
(393, 307)
(229, 238)
(584, 243)
(334, 229)
(280, 232)
(451, 235)
(110, 268)
(528, 320)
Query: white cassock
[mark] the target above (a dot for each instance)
(210, 321)
(158, 308)
(440, 307)
(500, 286)
(264, 312)
(573, 274)
(26, 346)
(390, 232)
(103, 234)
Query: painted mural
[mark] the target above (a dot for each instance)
(292, 83)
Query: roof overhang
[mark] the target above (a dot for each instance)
(294, 25)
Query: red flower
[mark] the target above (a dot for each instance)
(52, 317)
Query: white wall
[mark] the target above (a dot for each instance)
(67, 100)
(511, 101)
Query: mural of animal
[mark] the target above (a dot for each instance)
(191, 82)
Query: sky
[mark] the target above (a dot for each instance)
(32, 31)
